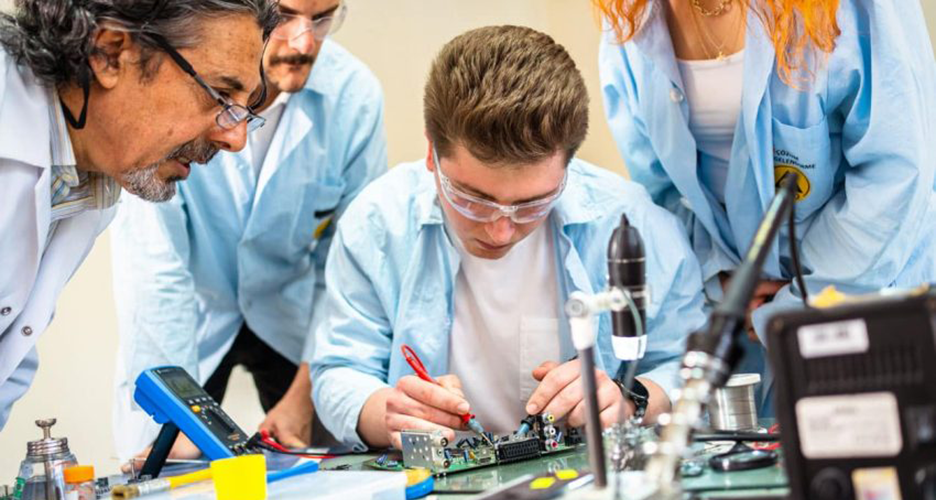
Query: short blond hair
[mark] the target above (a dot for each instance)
(510, 95)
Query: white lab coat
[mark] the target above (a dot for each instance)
(33, 267)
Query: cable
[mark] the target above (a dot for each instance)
(794, 256)
(632, 306)
(263, 440)
(631, 373)
(774, 430)
(628, 379)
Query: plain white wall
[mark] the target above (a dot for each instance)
(397, 40)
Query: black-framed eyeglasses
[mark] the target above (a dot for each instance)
(231, 114)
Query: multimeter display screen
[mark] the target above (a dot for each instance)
(181, 384)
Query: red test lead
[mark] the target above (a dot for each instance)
(468, 419)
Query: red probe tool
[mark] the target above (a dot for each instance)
(266, 439)
(468, 419)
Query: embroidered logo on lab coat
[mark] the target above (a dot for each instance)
(802, 182)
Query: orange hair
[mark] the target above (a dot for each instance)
(796, 28)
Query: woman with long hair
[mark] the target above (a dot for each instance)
(712, 102)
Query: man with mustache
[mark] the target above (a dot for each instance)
(98, 96)
(230, 272)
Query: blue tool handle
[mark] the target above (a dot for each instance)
(305, 468)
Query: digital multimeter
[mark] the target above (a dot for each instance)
(173, 398)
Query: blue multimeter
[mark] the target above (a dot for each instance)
(173, 398)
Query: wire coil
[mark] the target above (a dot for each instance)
(733, 407)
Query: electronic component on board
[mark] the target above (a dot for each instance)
(537, 436)
(517, 449)
(425, 449)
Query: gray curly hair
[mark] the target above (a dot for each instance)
(54, 38)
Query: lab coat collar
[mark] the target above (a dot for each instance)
(320, 81)
(579, 205)
(755, 106)
(292, 129)
(63, 154)
(24, 116)
(428, 211)
(297, 119)
(654, 42)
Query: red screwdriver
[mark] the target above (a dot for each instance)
(468, 419)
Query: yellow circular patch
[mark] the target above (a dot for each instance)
(802, 182)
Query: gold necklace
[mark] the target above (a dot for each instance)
(708, 37)
(717, 11)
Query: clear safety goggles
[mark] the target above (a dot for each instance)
(293, 25)
(481, 210)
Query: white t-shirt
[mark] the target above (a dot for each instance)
(505, 325)
(261, 138)
(713, 91)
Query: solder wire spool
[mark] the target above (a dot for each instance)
(732, 407)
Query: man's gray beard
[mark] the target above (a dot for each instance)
(145, 184)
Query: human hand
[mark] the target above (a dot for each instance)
(183, 449)
(763, 293)
(560, 393)
(290, 421)
(415, 404)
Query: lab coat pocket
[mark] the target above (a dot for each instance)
(539, 342)
(318, 212)
(805, 152)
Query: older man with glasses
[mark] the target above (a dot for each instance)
(90, 104)
(230, 272)
(467, 257)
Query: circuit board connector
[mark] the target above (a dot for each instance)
(425, 449)
(517, 449)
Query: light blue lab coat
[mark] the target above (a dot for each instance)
(391, 279)
(232, 247)
(863, 133)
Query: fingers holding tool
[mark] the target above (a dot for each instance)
(450, 383)
(415, 404)
(560, 393)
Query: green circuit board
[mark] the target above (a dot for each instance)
(393, 461)
(537, 437)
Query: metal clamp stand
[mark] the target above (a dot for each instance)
(712, 354)
(160, 452)
(581, 309)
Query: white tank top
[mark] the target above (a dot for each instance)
(713, 90)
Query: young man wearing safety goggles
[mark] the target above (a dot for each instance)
(468, 256)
